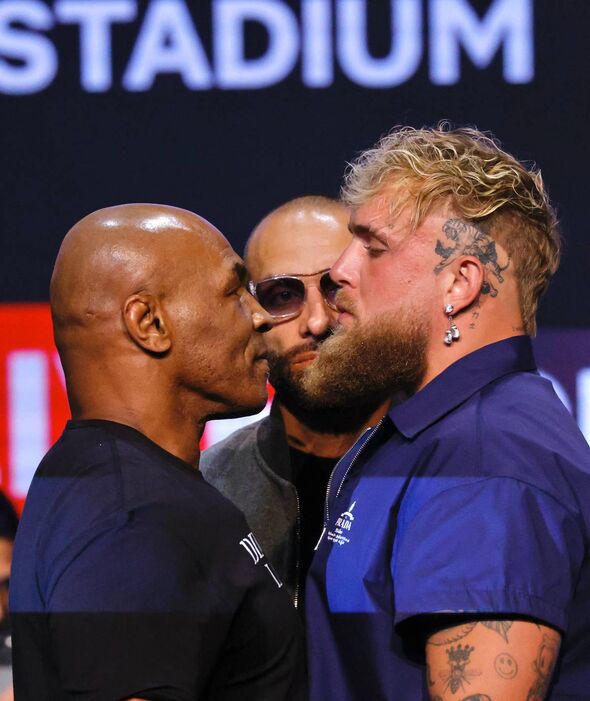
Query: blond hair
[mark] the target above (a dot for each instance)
(484, 185)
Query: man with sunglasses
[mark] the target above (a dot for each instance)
(277, 470)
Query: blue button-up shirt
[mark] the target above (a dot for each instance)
(473, 495)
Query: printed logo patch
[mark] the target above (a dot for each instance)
(342, 526)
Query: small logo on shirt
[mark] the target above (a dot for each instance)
(252, 547)
(346, 518)
(342, 526)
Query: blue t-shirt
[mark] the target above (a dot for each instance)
(134, 577)
(473, 495)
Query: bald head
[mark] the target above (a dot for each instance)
(118, 274)
(114, 252)
(153, 321)
(302, 236)
(154, 324)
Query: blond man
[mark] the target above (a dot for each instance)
(453, 563)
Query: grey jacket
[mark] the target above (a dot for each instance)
(251, 467)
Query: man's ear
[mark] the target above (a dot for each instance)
(145, 323)
(466, 277)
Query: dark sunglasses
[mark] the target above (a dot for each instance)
(284, 295)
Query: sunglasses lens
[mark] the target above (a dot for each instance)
(329, 289)
(281, 296)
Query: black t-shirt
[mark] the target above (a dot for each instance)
(310, 475)
(8, 519)
(134, 577)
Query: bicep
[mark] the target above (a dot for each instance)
(491, 660)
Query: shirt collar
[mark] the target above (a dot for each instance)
(461, 380)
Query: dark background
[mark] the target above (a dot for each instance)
(232, 155)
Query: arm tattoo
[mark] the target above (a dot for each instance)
(458, 675)
(501, 627)
(543, 667)
(469, 240)
(506, 666)
(445, 637)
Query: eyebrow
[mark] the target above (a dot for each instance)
(240, 272)
(366, 232)
(319, 272)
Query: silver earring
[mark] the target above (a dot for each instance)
(452, 333)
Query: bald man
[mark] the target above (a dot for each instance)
(132, 577)
(277, 470)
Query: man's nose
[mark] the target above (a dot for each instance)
(345, 270)
(262, 321)
(316, 317)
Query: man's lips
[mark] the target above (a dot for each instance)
(345, 317)
(344, 308)
(305, 357)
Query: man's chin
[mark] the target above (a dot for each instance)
(247, 405)
(366, 361)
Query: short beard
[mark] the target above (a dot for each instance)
(315, 413)
(375, 359)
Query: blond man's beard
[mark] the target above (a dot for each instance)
(371, 360)
(315, 412)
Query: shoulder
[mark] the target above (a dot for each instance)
(515, 401)
(524, 396)
(516, 428)
(116, 482)
(524, 427)
(230, 453)
(145, 564)
(77, 483)
(183, 538)
(518, 415)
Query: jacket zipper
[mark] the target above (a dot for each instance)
(297, 558)
(354, 459)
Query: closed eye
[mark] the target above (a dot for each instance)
(373, 252)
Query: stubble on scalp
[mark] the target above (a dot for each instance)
(374, 359)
